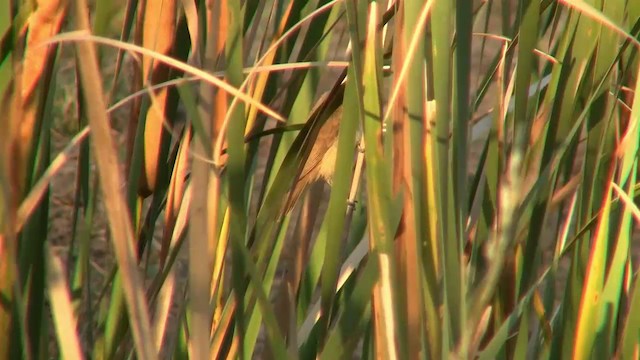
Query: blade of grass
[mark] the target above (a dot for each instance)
(62, 310)
(119, 221)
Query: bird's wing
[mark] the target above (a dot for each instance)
(327, 136)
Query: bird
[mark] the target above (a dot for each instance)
(320, 164)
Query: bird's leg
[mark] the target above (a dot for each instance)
(351, 201)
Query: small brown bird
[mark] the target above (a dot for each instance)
(320, 164)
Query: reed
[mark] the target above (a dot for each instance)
(159, 167)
